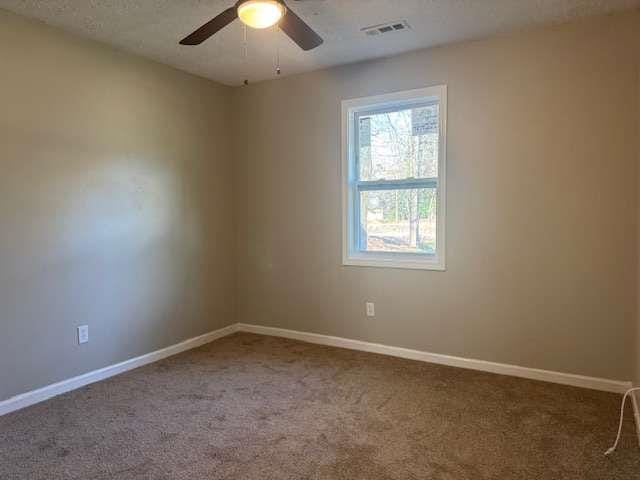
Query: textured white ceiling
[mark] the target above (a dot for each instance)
(152, 28)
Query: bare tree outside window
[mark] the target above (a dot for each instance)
(399, 145)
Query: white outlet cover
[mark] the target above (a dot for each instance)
(83, 334)
(371, 309)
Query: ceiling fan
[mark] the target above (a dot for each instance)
(259, 14)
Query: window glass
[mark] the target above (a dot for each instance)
(398, 144)
(398, 220)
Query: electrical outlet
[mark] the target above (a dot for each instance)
(371, 309)
(83, 334)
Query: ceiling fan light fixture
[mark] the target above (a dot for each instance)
(260, 13)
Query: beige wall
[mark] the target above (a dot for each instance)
(117, 209)
(115, 206)
(542, 209)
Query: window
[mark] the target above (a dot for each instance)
(393, 174)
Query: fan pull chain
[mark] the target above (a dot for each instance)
(278, 71)
(246, 56)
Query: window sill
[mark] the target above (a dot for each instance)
(413, 262)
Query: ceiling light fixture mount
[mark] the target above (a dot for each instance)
(260, 13)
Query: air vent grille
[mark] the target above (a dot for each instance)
(383, 28)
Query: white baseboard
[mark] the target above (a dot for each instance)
(594, 383)
(35, 396)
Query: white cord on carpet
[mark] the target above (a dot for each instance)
(624, 399)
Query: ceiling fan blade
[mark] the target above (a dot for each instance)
(211, 27)
(299, 32)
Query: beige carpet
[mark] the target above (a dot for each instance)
(253, 407)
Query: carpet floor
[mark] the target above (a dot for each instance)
(254, 407)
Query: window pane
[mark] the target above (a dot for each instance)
(399, 144)
(398, 220)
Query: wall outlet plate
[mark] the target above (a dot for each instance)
(371, 309)
(83, 334)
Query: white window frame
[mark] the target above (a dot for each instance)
(351, 254)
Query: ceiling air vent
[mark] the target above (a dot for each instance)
(391, 27)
